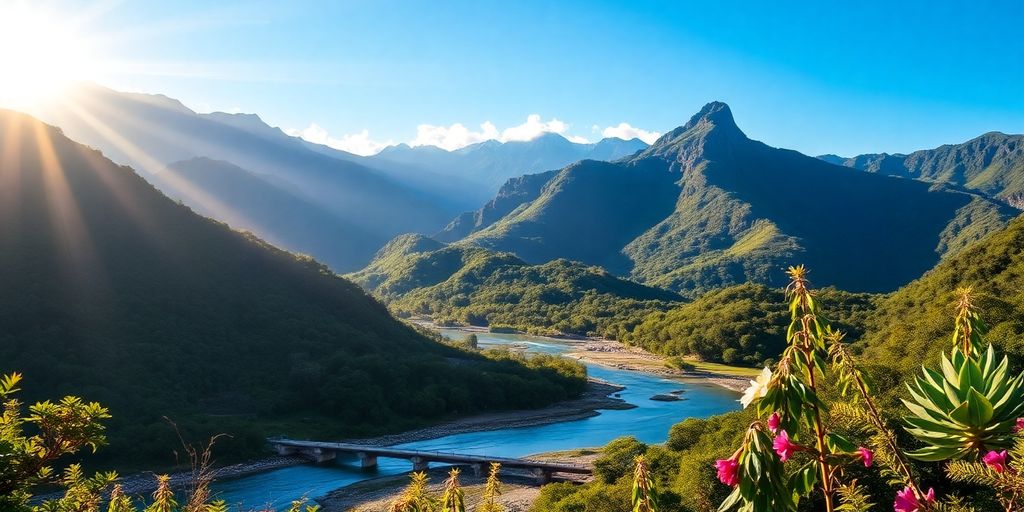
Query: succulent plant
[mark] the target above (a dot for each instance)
(971, 406)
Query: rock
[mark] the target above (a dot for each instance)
(666, 398)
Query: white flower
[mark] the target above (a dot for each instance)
(758, 388)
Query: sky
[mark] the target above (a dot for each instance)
(818, 77)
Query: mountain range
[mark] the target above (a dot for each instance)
(337, 206)
(491, 163)
(705, 206)
(992, 164)
(118, 294)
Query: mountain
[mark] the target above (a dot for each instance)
(514, 193)
(113, 292)
(491, 163)
(150, 132)
(917, 319)
(705, 206)
(468, 285)
(992, 164)
(282, 214)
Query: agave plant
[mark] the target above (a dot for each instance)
(971, 406)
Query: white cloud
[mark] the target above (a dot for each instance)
(357, 143)
(458, 136)
(625, 131)
(453, 137)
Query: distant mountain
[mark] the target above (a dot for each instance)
(491, 163)
(113, 292)
(705, 206)
(992, 164)
(282, 214)
(150, 132)
(464, 284)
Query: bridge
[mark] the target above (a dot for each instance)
(319, 451)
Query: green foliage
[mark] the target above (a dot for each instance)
(31, 444)
(618, 458)
(968, 408)
(645, 494)
(1007, 482)
(853, 498)
(414, 497)
(452, 499)
(492, 489)
(466, 285)
(61, 430)
(739, 325)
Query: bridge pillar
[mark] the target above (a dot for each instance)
(319, 454)
(419, 464)
(285, 450)
(367, 460)
(543, 476)
(478, 469)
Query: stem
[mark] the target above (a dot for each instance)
(819, 432)
(880, 426)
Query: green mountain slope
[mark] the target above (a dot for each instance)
(992, 164)
(283, 216)
(916, 320)
(115, 293)
(514, 193)
(470, 285)
(705, 206)
(151, 132)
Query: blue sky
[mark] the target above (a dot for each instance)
(850, 78)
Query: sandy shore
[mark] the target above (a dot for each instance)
(614, 354)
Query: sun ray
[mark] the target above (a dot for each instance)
(77, 251)
(181, 185)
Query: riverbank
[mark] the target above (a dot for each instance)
(615, 354)
(596, 397)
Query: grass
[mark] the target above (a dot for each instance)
(724, 369)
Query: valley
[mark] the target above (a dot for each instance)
(335, 256)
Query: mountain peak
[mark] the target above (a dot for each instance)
(710, 133)
(716, 113)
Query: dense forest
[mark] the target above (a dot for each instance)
(467, 285)
(117, 294)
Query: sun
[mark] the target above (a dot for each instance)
(39, 56)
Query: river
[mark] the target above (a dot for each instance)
(649, 422)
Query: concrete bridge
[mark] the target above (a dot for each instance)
(319, 451)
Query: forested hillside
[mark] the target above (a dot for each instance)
(117, 294)
(468, 285)
(705, 207)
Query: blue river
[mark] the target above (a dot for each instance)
(649, 422)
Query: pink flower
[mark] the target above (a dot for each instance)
(996, 460)
(773, 422)
(906, 500)
(784, 447)
(867, 456)
(1020, 425)
(728, 471)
